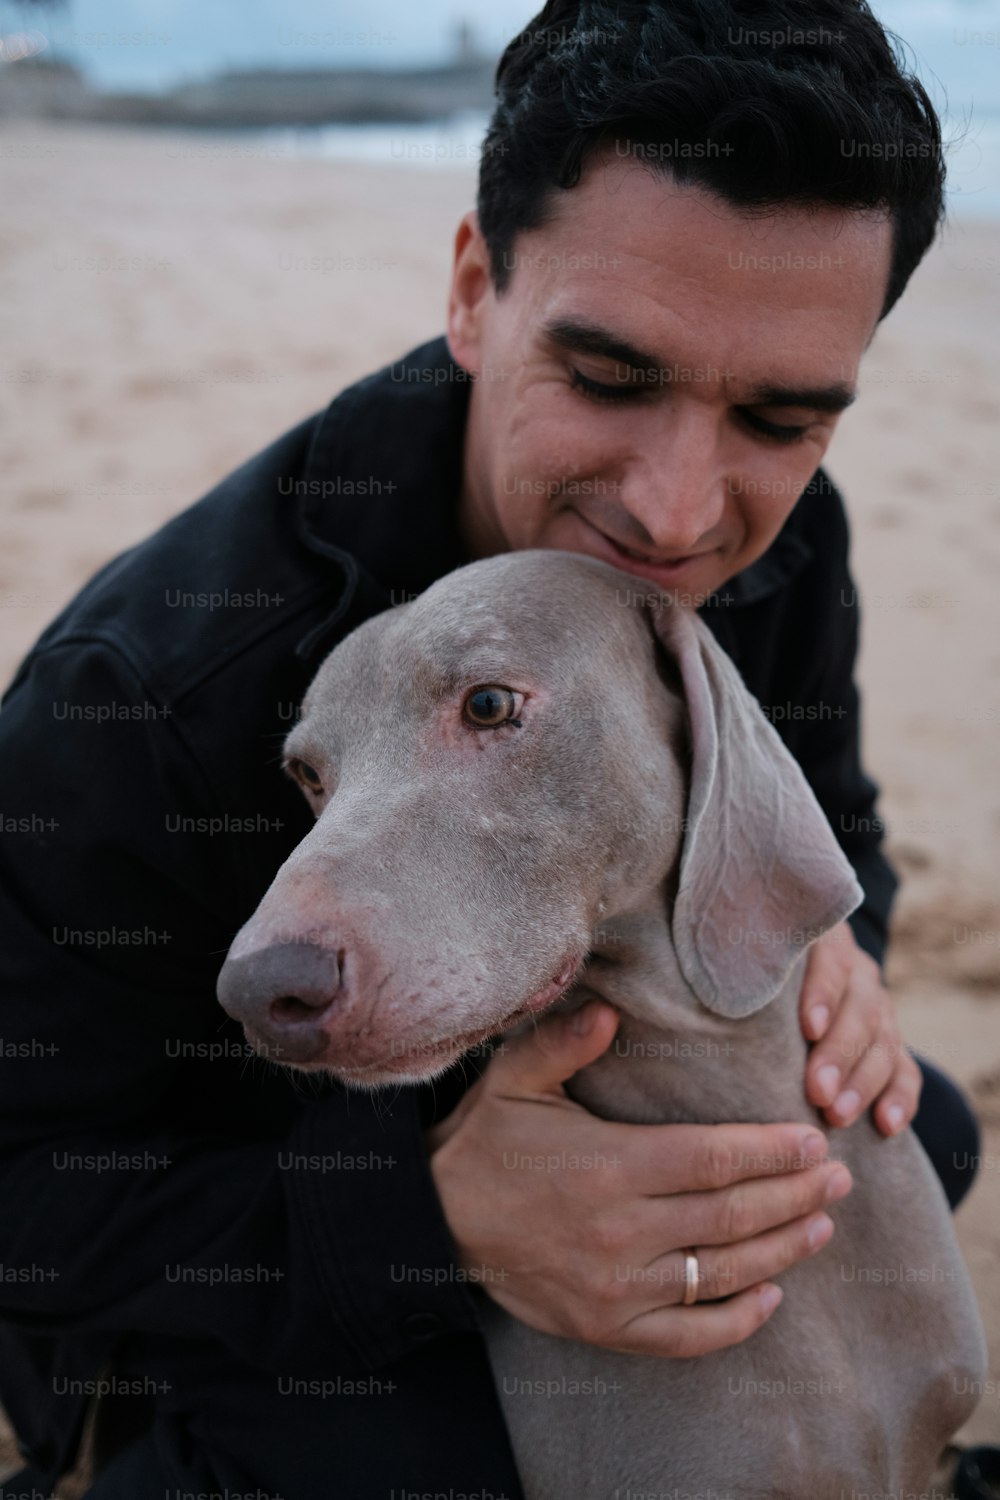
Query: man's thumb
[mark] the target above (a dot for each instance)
(541, 1060)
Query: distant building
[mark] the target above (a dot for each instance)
(44, 88)
(254, 97)
(466, 50)
(310, 96)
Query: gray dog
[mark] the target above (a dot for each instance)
(535, 784)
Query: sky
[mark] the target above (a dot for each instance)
(154, 43)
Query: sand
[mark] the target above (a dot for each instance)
(170, 304)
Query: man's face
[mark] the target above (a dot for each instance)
(661, 374)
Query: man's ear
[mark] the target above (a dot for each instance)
(761, 874)
(470, 287)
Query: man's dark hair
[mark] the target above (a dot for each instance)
(762, 102)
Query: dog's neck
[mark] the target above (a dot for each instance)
(673, 1060)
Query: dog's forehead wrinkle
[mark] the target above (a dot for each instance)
(367, 668)
(518, 598)
(526, 586)
(473, 627)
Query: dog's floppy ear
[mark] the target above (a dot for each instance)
(761, 874)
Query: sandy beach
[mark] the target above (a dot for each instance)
(169, 304)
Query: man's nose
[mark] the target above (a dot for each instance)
(676, 487)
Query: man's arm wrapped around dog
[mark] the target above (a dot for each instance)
(153, 1181)
(820, 669)
(860, 1060)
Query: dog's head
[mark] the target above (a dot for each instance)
(528, 748)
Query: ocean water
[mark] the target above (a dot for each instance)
(973, 182)
(455, 142)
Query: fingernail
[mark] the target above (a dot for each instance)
(813, 1148)
(894, 1116)
(838, 1185)
(820, 1019)
(819, 1231)
(584, 1018)
(770, 1297)
(847, 1102)
(827, 1080)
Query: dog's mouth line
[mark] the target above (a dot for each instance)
(461, 1041)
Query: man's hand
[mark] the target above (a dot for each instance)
(577, 1225)
(859, 1056)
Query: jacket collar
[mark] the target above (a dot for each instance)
(384, 470)
(380, 488)
(789, 552)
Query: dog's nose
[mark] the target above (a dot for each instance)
(282, 994)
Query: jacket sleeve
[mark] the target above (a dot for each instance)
(123, 1209)
(826, 739)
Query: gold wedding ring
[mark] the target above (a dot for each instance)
(690, 1278)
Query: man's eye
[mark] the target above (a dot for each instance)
(492, 705)
(623, 391)
(777, 432)
(305, 774)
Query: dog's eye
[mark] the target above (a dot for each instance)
(492, 705)
(306, 775)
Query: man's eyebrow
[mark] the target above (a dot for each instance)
(832, 398)
(576, 335)
(589, 338)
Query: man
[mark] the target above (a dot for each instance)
(273, 1282)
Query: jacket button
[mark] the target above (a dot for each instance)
(421, 1326)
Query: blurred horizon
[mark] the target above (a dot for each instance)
(157, 44)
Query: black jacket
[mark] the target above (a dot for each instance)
(145, 814)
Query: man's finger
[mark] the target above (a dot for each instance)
(541, 1059)
(852, 1040)
(726, 1269)
(828, 969)
(685, 1332)
(750, 1208)
(863, 1083)
(666, 1159)
(898, 1105)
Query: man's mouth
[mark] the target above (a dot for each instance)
(654, 562)
(658, 569)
